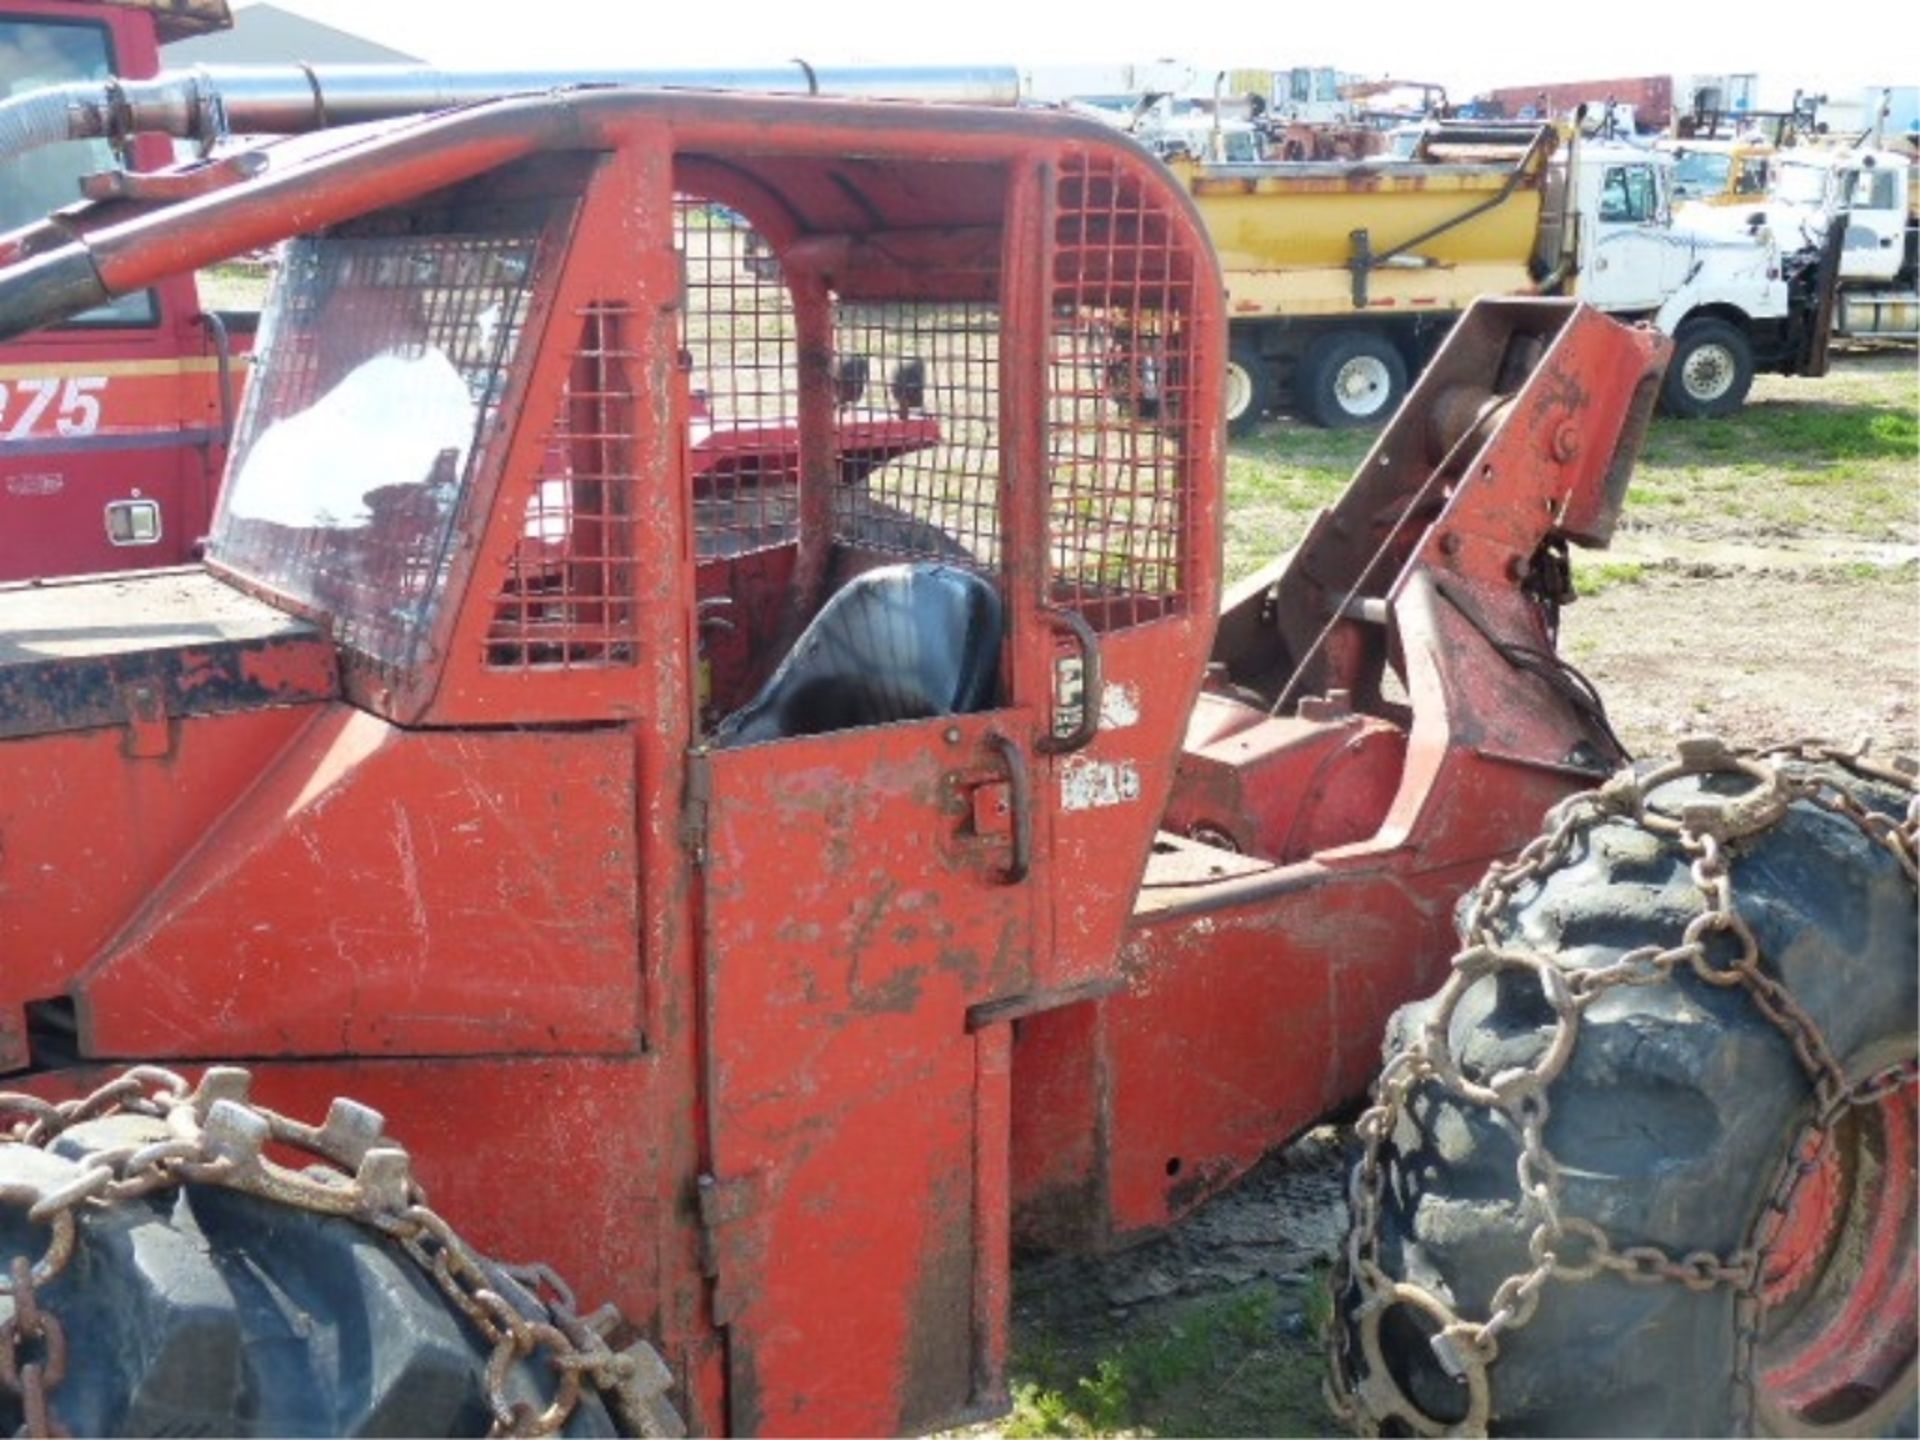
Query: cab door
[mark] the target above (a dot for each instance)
(864, 887)
(1633, 259)
(1877, 205)
(857, 904)
(882, 903)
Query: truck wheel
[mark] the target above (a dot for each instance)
(1351, 379)
(201, 1309)
(1646, 1165)
(1710, 372)
(1251, 392)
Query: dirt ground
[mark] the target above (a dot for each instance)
(1765, 585)
(1773, 614)
(1753, 655)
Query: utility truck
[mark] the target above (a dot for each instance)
(1342, 278)
(1715, 172)
(114, 423)
(1871, 193)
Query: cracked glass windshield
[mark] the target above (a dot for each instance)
(378, 372)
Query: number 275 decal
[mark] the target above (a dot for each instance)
(50, 405)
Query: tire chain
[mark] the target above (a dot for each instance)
(217, 1136)
(1566, 1248)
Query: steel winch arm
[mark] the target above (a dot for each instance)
(1519, 438)
(1550, 458)
(1317, 855)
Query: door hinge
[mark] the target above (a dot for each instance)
(699, 798)
(731, 1244)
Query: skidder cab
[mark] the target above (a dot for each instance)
(545, 471)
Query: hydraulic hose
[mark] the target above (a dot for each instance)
(207, 103)
(36, 118)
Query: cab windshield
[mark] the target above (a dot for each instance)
(35, 54)
(1699, 175)
(377, 376)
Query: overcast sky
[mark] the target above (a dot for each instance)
(1467, 47)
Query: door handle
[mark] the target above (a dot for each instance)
(1092, 684)
(1019, 804)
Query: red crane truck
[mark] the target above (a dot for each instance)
(113, 424)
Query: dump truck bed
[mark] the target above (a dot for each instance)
(1437, 233)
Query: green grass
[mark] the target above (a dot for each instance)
(234, 285)
(1839, 455)
(1591, 578)
(1277, 480)
(1835, 456)
(1224, 1365)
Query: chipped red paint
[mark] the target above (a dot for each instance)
(1841, 1281)
(1258, 984)
(774, 1045)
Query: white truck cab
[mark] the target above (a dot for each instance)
(1873, 188)
(1872, 192)
(1726, 292)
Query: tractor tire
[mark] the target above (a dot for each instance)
(203, 1310)
(1251, 391)
(1722, 1264)
(1350, 379)
(1710, 371)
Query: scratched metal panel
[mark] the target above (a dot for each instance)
(383, 891)
(850, 924)
(86, 834)
(534, 1158)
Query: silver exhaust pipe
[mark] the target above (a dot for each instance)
(208, 103)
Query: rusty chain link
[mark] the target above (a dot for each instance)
(1719, 947)
(212, 1133)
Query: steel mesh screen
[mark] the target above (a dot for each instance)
(376, 383)
(568, 597)
(738, 338)
(919, 431)
(1121, 388)
(916, 434)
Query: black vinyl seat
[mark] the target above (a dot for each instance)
(902, 642)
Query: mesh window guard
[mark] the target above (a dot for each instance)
(919, 432)
(738, 335)
(916, 427)
(1120, 389)
(568, 597)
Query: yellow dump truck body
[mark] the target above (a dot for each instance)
(1343, 276)
(1286, 233)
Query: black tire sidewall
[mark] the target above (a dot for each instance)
(1694, 335)
(1672, 1118)
(1317, 396)
(1262, 391)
